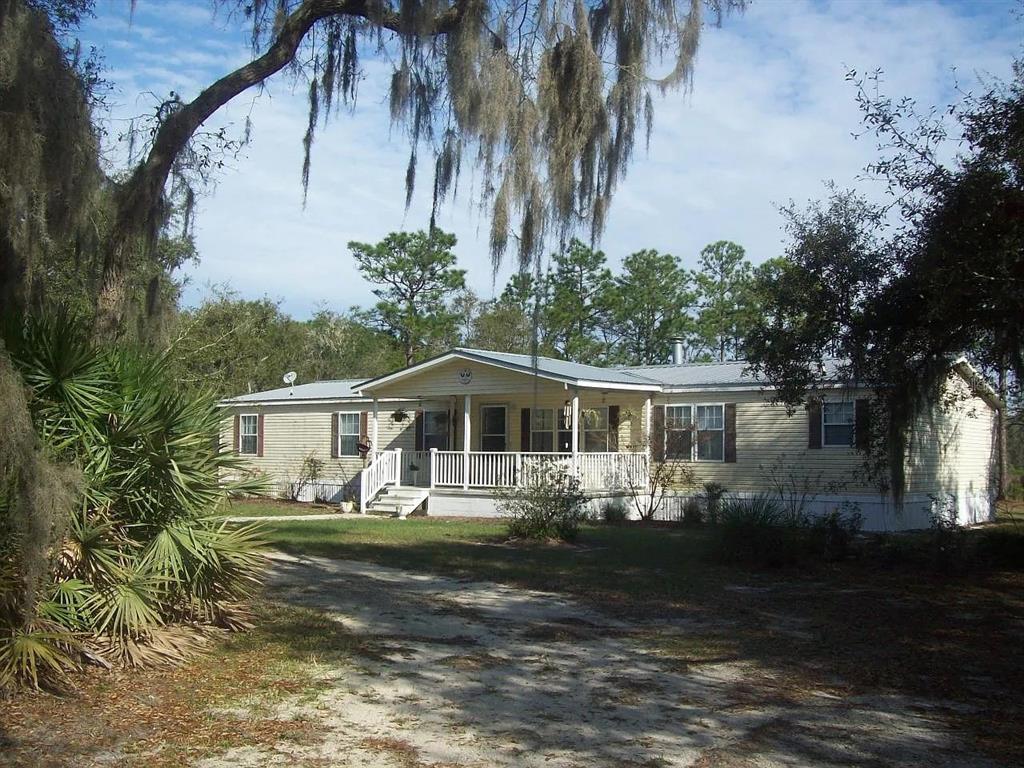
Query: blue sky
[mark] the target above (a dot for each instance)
(770, 118)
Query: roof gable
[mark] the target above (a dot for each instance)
(563, 371)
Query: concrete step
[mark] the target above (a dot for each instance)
(404, 493)
(398, 501)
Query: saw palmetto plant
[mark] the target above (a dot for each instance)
(126, 556)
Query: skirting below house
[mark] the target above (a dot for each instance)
(878, 511)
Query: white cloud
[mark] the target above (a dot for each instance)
(769, 119)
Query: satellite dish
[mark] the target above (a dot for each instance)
(289, 378)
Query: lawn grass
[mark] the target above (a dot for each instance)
(627, 565)
(1010, 513)
(863, 627)
(168, 717)
(278, 508)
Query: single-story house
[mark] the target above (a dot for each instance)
(443, 434)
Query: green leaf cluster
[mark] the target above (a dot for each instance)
(418, 284)
(145, 549)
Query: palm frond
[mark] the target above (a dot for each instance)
(145, 548)
(67, 605)
(128, 607)
(38, 655)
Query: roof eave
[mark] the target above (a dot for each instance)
(978, 383)
(460, 354)
(311, 401)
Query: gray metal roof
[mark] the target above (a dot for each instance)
(562, 369)
(341, 389)
(731, 373)
(655, 377)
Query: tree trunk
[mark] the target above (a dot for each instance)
(1003, 484)
(142, 207)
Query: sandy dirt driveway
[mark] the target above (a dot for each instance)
(480, 674)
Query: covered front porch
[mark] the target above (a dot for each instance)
(490, 469)
(480, 425)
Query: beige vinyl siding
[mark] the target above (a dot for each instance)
(630, 433)
(771, 442)
(496, 386)
(951, 449)
(442, 381)
(294, 431)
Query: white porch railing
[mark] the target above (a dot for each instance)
(385, 469)
(415, 468)
(610, 471)
(446, 468)
(488, 469)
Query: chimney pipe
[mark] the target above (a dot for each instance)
(677, 351)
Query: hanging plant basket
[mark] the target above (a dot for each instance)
(399, 416)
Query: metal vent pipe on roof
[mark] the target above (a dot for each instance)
(677, 351)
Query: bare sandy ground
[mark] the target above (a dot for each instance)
(478, 674)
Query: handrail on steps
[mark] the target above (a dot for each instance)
(385, 469)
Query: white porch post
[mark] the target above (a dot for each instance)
(398, 467)
(465, 441)
(433, 467)
(576, 431)
(647, 429)
(373, 430)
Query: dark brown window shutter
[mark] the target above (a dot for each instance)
(235, 435)
(525, 428)
(259, 435)
(334, 435)
(862, 424)
(730, 432)
(419, 430)
(364, 427)
(658, 432)
(613, 428)
(814, 424)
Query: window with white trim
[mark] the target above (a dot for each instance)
(248, 434)
(679, 432)
(838, 421)
(695, 432)
(435, 430)
(542, 430)
(710, 425)
(348, 434)
(595, 429)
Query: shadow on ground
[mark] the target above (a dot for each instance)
(451, 671)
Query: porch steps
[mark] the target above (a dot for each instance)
(398, 502)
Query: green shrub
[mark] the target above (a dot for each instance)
(145, 558)
(947, 540)
(761, 533)
(833, 534)
(692, 512)
(713, 495)
(1000, 548)
(614, 511)
(551, 505)
(753, 513)
(751, 533)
